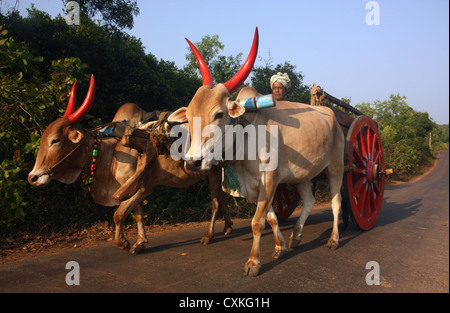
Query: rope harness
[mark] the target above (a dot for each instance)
(93, 133)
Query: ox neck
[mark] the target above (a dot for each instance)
(247, 118)
(243, 120)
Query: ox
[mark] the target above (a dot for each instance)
(310, 142)
(65, 151)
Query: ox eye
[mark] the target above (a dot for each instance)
(54, 141)
(218, 116)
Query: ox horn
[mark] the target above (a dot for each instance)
(72, 100)
(238, 79)
(206, 75)
(85, 107)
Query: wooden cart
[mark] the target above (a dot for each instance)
(364, 177)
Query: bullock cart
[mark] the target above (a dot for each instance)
(364, 177)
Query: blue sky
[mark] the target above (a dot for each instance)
(327, 40)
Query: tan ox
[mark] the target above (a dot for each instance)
(310, 141)
(66, 150)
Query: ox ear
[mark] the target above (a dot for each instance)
(179, 116)
(235, 109)
(75, 135)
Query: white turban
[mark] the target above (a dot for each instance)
(282, 78)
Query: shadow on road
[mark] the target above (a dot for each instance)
(394, 212)
(391, 213)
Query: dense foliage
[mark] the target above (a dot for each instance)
(123, 71)
(28, 102)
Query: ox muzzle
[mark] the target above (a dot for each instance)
(39, 178)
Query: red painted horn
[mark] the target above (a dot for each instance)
(76, 116)
(238, 79)
(72, 100)
(206, 75)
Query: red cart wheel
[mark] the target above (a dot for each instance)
(364, 184)
(285, 201)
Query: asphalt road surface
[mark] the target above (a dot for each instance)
(409, 245)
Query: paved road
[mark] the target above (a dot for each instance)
(410, 243)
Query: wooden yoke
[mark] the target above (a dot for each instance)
(149, 144)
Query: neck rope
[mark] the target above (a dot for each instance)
(87, 179)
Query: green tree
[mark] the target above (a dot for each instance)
(115, 13)
(440, 137)
(123, 71)
(222, 68)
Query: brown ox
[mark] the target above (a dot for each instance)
(66, 150)
(310, 141)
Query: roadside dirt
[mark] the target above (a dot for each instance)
(26, 246)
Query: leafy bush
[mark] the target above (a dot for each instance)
(404, 134)
(27, 105)
(13, 191)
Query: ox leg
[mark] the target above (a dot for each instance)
(253, 264)
(335, 190)
(209, 235)
(228, 228)
(219, 203)
(280, 244)
(119, 218)
(304, 189)
(142, 241)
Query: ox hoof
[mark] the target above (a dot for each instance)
(279, 254)
(206, 240)
(227, 230)
(294, 242)
(124, 245)
(138, 248)
(332, 244)
(252, 269)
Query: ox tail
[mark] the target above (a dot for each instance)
(345, 204)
